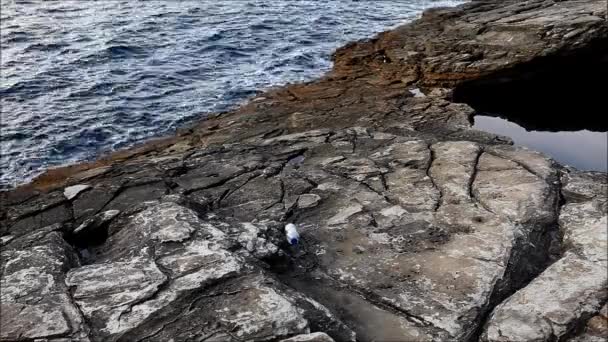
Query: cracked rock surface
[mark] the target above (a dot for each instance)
(413, 226)
(419, 237)
(572, 289)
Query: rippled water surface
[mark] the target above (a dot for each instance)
(84, 77)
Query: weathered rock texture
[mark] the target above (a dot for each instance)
(414, 227)
(573, 288)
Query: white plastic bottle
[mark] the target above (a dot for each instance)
(293, 237)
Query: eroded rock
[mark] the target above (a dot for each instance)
(596, 329)
(154, 276)
(424, 254)
(312, 337)
(35, 301)
(572, 289)
(72, 191)
(413, 226)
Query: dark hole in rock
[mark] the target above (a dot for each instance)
(87, 243)
(92, 232)
(91, 238)
(563, 94)
(555, 93)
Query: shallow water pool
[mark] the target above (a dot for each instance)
(583, 149)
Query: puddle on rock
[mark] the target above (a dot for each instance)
(583, 149)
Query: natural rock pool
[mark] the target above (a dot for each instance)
(583, 149)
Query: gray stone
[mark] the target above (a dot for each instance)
(95, 222)
(596, 329)
(72, 191)
(342, 216)
(35, 303)
(164, 255)
(359, 249)
(419, 237)
(308, 201)
(105, 292)
(574, 287)
(567, 291)
(255, 242)
(312, 337)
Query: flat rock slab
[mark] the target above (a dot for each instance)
(419, 237)
(313, 337)
(35, 301)
(72, 191)
(163, 269)
(562, 297)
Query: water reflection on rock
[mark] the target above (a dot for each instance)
(584, 149)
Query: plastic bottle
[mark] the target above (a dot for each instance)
(293, 237)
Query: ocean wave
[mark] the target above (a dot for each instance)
(42, 47)
(80, 77)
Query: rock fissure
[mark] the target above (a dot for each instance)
(474, 175)
(218, 183)
(86, 325)
(472, 194)
(377, 301)
(281, 197)
(34, 213)
(121, 188)
(428, 174)
(522, 165)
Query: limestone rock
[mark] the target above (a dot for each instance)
(34, 299)
(95, 223)
(308, 201)
(596, 329)
(567, 291)
(413, 225)
(166, 259)
(574, 287)
(312, 337)
(72, 191)
(417, 236)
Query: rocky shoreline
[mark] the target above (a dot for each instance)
(413, 226)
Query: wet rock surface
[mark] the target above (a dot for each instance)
(413, 226)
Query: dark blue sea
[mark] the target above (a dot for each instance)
(83, 77)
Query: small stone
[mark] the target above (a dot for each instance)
(343, 215)
(358, 249)
(6, 239)
(297, 161)
(328, 186)
(95, 222)
(598, 325)
(308, 201)
(313, 337)
(395, 210)
(417, 93)
(604, 311)
(72, 191)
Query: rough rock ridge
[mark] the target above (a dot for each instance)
(414, 227)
